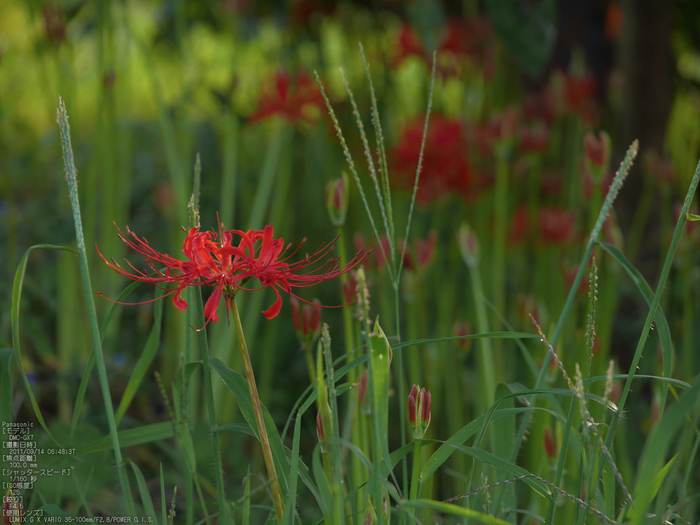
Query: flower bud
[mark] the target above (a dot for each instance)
(468, 245)
(596, 155)
(307, 321)
(337, 200)
(419, 411)
(549, 443)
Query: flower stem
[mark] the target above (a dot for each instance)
(264, 441)
(415, 472)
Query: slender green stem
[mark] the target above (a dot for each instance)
(264, 441)
(310, 365)
(500, 221)
(415, 472)
(211, 409)
(72, 179)
(484, 356)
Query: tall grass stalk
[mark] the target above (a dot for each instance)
(72, 180)
(264, 440)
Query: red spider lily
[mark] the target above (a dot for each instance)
(466, 39)
(557, 226)
(520, 226)
(424, 251)
(446, 165)
(534, 138)
(408, 44)
(227, 267)
(292, 99)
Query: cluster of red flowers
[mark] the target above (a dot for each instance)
(295, 99)
(470, 39)
(227, 267)
(446, 167)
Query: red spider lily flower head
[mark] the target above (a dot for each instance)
(534, 139)
(557, 226)
(520, 226)
(419, 411)
(446, 167)
(408, 44)
(548, 443)
(295, 99)
(54, 23)
(214, 260)
(422, 255)
(614, 20)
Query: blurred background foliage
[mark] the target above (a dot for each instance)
(150, 83)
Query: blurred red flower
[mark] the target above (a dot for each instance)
(446, 166)
(227, 267)
(556, 225)
(294, 99)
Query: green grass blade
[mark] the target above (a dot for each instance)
(246, 496)
(443, 453)
(16, 297)
(372, 172)
(163, 509)
(353, 170)
(236, 383)
(7, 360)
(488, 335)
(324, 486)
(91, 360)
(144, 493)
(656, 448)
(145, 359)
(131, 437)
(506, 466)
(455, 510)
(648, 294)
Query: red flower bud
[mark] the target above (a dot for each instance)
(419, 415)
(549, 443)
(337, 200)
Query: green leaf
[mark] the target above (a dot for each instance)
(91, 360)
(455, 510)
(16, 297)
(648, 294)
(656, 447)
(131, 437)
(506, 466)
(692, 217)
(145, 359)
(487, 335)
(239, 388)
(145, 495)
(324, 487)
(443, 453)
(528, 30)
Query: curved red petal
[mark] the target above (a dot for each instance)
(178, 301)
(272, 312)
(213, 304)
